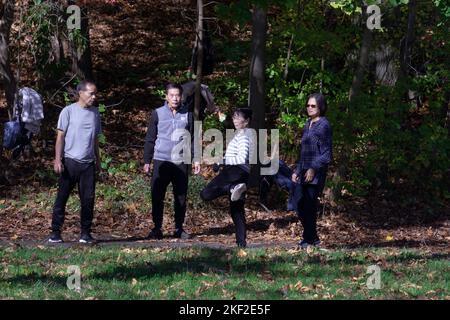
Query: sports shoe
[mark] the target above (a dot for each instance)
(55, 237)
(304, 244)
(237, 191)
(86, 238)
(181, 234)
(155, 234)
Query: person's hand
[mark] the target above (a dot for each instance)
(197, 167)
(309, 175)
(294, 177)
(58, 166)
(222, 116)
(147, 168)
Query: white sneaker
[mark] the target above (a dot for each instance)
(237, 191)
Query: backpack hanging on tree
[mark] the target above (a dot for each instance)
(208, 54)
(12, 134)
(28, 111)
(12, 130)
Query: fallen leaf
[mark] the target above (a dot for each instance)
(242, 253)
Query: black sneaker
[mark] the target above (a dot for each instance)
(55, 237)
(86, 238)
(155, 234)
(304, 244)
(181, 234)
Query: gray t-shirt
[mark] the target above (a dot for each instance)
(81, 126)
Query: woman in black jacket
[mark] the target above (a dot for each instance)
(315, 155)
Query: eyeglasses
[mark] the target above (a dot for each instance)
(311, 106)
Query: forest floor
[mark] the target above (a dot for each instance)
(133, 53)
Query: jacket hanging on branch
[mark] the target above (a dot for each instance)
(32, 109)
(208, 54)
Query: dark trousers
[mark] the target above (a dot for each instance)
(307, 212)
(83, 175)
(164, 173)
(220, 186)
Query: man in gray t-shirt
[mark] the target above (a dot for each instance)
(76, 159)
(81, 126)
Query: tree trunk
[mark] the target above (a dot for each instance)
(385, 70)
(360, 70)
(406, 52)
(291, 42)
(355, 89)
(6, 20)
(286, 68)
(199, 71)
(445, 113)
(408, 40)
(80, 55)
(257, 79)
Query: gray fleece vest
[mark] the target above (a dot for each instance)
(170, 144)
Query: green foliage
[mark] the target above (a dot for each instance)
(236, 11)
(106, 162)
(42, 22)
(212, 122)
(133, 191)
(347, 6)
(102, 108)
(78, 40)
(196, 185)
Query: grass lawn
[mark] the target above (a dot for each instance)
(115, 272)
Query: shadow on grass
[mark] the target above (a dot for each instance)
(225, 262)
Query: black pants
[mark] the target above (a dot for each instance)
(164, 173)
(220, 186)
(75, 173)
(307, 212)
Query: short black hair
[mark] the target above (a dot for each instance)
(244, 112)
(83, 85)
(172, 85)
(321, 102)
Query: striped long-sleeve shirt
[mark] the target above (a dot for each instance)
(238, 150)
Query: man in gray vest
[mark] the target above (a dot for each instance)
(76, 159)
(166, 145)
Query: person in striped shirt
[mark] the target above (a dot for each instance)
(233, 178)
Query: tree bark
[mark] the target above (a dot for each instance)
(199, 71)
(257, 79)
(6, 20)
(81, 58)
(360, 70)
(297, 26)
(341, 173)
(408, 40)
